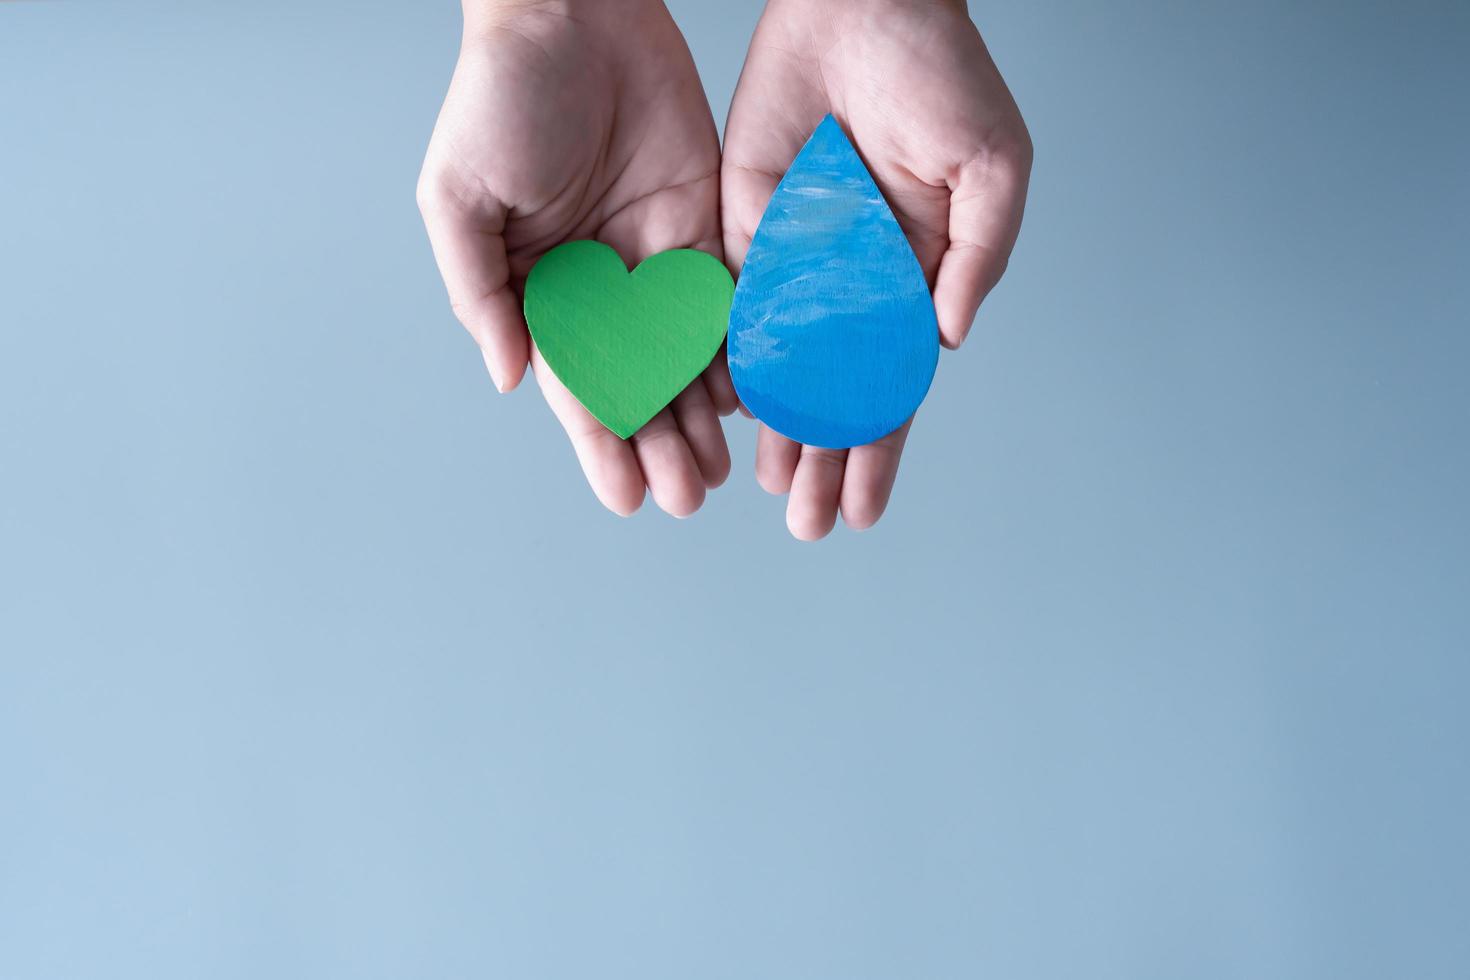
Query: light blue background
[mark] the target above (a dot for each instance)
(320, 661)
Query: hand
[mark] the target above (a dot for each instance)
(913, 85)
(570, 119)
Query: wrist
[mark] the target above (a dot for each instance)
(490, 13)
(841, 9)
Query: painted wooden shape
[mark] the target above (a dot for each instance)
(833, 337)
(626, 343)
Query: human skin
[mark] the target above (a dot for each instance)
(915, 88)
(576, 119)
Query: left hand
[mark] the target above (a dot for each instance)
(565, 120)
(913, 84)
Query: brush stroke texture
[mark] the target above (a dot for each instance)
(833, 338)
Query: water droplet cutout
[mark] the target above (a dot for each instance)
(833, 339)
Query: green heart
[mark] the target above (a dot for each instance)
(626, 343)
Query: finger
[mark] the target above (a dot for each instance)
(867, 482)
(816, 492)
(668, 466)
(745, 192)
(609, 463)
(469, 247)
(985, 211)
(721, 388)
(775, 461)
(696, 418)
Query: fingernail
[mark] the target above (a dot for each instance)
(494, 372)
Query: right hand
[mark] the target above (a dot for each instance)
(912, 83)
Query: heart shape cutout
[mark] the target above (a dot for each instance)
(625, 343)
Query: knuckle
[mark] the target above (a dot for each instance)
(433, 194)
(656, 433)
(463, 311)
(826, 458)
(424, 195)
(1016, 153)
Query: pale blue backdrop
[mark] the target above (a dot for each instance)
(318, 660)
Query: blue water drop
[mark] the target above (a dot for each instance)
(833, 338)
